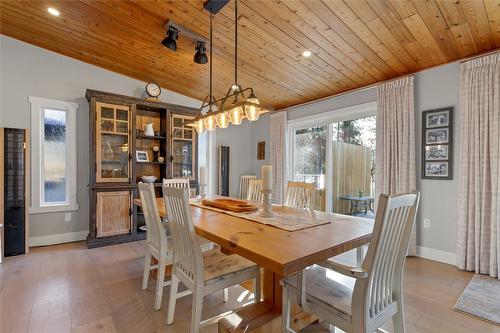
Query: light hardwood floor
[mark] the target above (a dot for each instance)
(68, 288)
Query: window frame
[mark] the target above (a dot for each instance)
(320, 119)
(38, 106)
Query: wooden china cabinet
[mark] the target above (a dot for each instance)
(117, 139)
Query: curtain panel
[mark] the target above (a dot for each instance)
(395, 138)
(278, 133)
(478, 229)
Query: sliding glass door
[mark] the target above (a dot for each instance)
(337, 155)
(353, 166)
(309, 145)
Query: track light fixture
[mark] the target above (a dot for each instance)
(170, 40)
(200, 57)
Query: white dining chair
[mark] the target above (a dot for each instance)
(244, 182)
(299, 195)
(157, 244)
(376, 295)
(178, 183)
(255, 191)
(202, 273)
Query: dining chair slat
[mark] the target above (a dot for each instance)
(244, 185)
(255, 191)
(299, 195)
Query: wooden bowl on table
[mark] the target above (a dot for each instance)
(239, 206)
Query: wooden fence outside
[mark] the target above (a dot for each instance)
(351, 173)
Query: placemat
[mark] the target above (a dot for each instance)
(282, 219)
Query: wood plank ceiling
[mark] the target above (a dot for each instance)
(354, 42)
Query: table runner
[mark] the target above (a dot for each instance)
(284, 218)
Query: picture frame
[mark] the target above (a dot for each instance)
(261, 150)
(436, 153)
(437, 119)
(141, 156)
(437, 136)
(437, 144)
(437, 169)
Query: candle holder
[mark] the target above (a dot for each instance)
(267, 207)
(203, 190)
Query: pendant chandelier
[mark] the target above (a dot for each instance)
(238, 104)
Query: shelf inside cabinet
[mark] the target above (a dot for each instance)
(151, 137)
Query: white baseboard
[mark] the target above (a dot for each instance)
(437, 255)
(58, 238)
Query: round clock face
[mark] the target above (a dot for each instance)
(153, 89)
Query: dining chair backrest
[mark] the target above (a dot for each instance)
(156, 237)
(188, 259)
(299, 195)
(244, 185)
(386, 255)
(255, 191)
(178, 183)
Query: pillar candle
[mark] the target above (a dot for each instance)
(203, 175)
(267, 177)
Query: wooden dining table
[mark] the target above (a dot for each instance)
(280, 253)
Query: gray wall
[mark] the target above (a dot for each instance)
(27, 70)
(329, 104)
(243, 141)
(434, 89)
(260, 132)
(239, 139)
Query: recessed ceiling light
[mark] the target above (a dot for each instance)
(53, 11)
(306, 53)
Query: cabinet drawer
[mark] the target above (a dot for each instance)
(113, 215)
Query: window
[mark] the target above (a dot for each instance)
(53, 155)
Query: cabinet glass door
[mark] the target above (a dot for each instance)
(112, 143)
(183, 146)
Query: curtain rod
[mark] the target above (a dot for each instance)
(373, 85)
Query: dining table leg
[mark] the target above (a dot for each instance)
(271, 289)
(265, 316)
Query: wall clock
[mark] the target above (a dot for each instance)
(153, 90)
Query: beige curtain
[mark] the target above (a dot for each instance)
(395, 160)
(478, 230)
(278, 129)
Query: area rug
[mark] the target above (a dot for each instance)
(481, 298)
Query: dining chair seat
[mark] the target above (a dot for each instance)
(220, 266)
(323, 288)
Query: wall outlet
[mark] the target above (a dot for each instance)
(67, 217)
(427, 223)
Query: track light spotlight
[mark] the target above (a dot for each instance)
(170, 40)
(200, 57)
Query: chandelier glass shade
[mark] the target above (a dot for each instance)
(252, 112)
(236, 115)
(210, 122)
(222, 119)
(199, 126)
